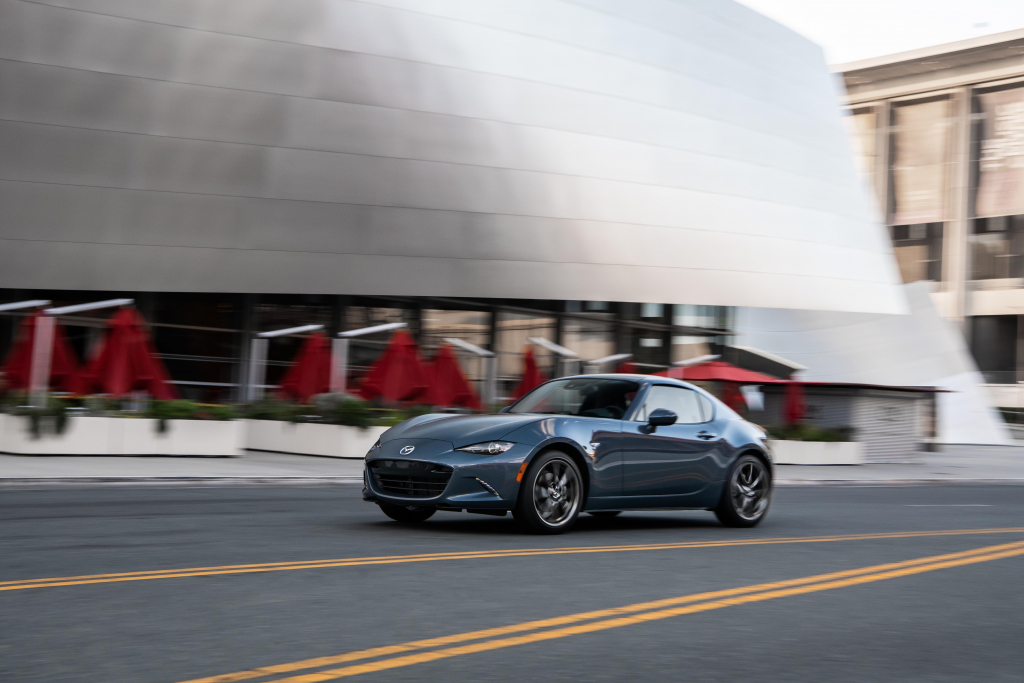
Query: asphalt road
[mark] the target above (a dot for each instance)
(955, 618)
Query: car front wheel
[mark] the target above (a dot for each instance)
(747, 493)
(551, 494)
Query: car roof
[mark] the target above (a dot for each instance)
(636, 378)
(651, 379)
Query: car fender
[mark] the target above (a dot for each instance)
(744, 437)
(572, 448)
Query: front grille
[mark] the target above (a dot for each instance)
(409, 478)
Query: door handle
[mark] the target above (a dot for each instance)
(707, 436)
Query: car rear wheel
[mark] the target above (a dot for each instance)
(407, 514)
(747, 493)
(551, 494)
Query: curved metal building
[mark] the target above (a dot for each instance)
(614, 150)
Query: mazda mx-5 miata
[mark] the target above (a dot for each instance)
(599, 444)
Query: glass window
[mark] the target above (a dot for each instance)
(469, 326)
(918, 250)
(685, 347)
(589, 338)
(512, 332)
(682, 402)
(706, 409)
(997, 248)
(585, 397)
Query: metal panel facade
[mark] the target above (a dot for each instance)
(599, 150)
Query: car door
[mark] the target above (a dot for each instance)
(673, 461)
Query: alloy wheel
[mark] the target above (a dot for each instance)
(750, 490)
(556, 492)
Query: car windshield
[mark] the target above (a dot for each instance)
(582, 396)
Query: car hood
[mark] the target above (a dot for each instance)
(460, 430)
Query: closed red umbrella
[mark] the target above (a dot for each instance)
(448, 384)
(126, 362)
(532, 376)
(17, 368)
(398, 375)
(794, 407)
(310, 374)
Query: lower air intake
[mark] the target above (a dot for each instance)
(410, 479)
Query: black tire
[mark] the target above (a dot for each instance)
(551, 494)
(407, 514)
(605, 514)
(747, 493)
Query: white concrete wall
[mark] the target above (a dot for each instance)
(919, 349)
(335, 441)
(124, 436)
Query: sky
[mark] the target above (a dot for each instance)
(851, 30)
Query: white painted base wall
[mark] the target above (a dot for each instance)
(124, 436)
(335, 441)
(817, 452)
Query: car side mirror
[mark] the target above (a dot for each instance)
(660, 417)
(505, 409)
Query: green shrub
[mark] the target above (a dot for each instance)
(803, 432)
(163, 411)
(274, 409)
(220, 413)
(180, 409)
(351, 413)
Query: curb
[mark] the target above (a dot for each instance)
(899, 482)
(186, 482)
(46, 482)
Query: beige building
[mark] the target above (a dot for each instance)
(940, 137)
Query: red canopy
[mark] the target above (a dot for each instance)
(398, 374)
(17, 368)
(310, 374)
(532, 376)
(126, 362)
(448, 385)
(719, 371)
(794, 407)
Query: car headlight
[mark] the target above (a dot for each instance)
(488, 447)
(376, 445)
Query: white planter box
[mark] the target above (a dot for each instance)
(334, 441)
(817, 452)
(124, 436)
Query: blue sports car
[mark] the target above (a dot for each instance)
(599, 444)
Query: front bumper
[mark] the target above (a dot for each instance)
(475, 482)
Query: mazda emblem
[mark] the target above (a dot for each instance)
(407, 450)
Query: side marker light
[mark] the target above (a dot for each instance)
(519, 477)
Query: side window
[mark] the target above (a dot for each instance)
(706, 409)
(683, 402)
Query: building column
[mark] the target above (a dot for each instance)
(247, 329)
(955, 238)
(492, 330)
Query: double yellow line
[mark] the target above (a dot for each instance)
(467, 555)
(600, 620)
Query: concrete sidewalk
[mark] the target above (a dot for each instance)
(252, 468)
(956, 464)
(960, 464)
